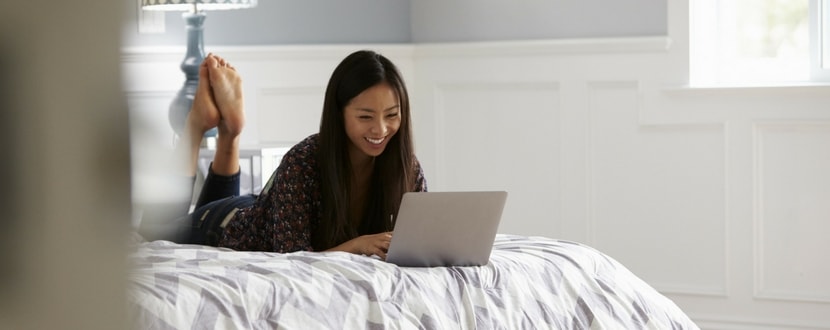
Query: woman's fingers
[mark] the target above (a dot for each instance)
(376, 244)
(383, 245)
(385, 240)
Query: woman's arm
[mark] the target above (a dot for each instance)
(376, 244)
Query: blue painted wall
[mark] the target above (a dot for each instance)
(491, 20)
(279, 22)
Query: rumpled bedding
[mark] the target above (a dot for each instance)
(529, 283)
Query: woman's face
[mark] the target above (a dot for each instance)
(372, 118)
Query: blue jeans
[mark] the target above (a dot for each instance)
(217, 202)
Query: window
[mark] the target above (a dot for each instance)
(822, 54)
(759, 41)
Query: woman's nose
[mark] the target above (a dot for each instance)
(379, 127)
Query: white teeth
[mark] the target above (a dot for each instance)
(375, 141)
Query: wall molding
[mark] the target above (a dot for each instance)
(264, 52)
(760, 289)
(150, 94)
(544, 47)
(541, 47)
(463, 110)
(711, 322)
(590, 149)
(721, 290)
(692, 291)
(316, 93)
(439, 109)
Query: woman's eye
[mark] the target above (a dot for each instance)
(365, 117)
(392, 115)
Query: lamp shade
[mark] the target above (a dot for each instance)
(196, 5)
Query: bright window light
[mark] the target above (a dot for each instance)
(823, 22)
(745, 42)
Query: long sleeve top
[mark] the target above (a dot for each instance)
(289, 207)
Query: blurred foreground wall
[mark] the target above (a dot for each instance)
(65, 200)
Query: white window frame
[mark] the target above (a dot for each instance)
(709, 63)
(820, 40)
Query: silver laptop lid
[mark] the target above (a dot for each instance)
(446, 228)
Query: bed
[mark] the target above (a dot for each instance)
(529, 283)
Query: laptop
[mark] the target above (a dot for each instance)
(446, 228)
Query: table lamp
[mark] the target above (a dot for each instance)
(194, 17)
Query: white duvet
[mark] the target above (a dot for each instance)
(530, 283)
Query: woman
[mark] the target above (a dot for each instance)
(338, 190)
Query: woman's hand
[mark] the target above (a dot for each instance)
(376, 244)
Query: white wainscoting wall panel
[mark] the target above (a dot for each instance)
(716, 197)
(486, 131)
(289, 114)
(661, 185)
(792, 210)
(153, 119)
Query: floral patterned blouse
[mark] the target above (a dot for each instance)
(289, 206)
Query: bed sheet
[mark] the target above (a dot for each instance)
(530, 283)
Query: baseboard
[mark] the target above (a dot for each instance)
(731, 323)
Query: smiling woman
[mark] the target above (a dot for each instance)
(366, 147)
(371, 118)
(335, 190)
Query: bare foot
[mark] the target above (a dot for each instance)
(204, 114)
(227, 93)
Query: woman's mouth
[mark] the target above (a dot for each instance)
(375, 141)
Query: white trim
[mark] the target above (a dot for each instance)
(269, 53)
(659, 44)
(149, 94)
(718, 290)
(819, 40)
(818, 87)
(760, 289)
(741, 323)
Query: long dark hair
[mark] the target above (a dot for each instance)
(394, 169)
